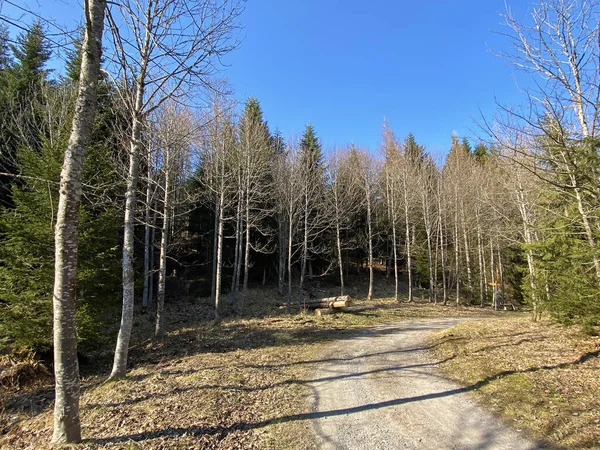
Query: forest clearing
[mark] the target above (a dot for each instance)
(203, 202)
(246, 382)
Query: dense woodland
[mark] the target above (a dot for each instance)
(186, 193)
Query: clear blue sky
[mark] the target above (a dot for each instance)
(344, 65)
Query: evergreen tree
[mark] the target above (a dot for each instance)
(481, 152)
(414, 152)
(310, 146)
(32, 52)
(27, 251)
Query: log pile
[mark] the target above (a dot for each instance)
(329, 302)
(331, 305)
(325, 311)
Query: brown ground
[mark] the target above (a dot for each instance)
(206, 386)
(545, 378)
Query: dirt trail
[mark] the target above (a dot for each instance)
(379, 390)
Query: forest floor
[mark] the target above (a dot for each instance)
(245, 383)
(542, 377)
(242, 383)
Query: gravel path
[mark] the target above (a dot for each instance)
(379, 390)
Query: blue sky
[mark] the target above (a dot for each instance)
(344, 65)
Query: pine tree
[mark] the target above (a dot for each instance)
(310, 147)
(32, 52)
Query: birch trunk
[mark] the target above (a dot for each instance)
(282, 247)
(481, 266)
(501, 273)
(67, 428)
(443, 258)
(304, 249)
(214, 254)
(151, 274)
(339, 254)
(467, 254)
(408, 242)
(370, 237)
(493, 278)
(147, 234)
(159, 329)
(457, 256)
(289, 263)
(219, 255)
(246, 257)
(121, 352)
(237, 257)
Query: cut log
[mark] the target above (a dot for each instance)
(325, 311)
(330, 302)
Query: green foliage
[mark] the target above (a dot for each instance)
(413, 151)
(32, 53)
(310, 146)
(481, 152)
(27, 250)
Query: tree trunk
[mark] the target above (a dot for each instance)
(159, 329)
(219, 256)
(408, 244)
(457, 256)
(120, 362)
(237, 258)
(467, 255)
(304, 250)
(289, 263)
(282, 248)
(339, 254)
(443, 258)
(147, 234)
(493, 274)
(501, 273)
(246, 256)
(214, 254)
(481, 266)
(151, 274)
(370, 237)
(67, 428)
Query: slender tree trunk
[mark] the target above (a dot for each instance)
(481, 266)
(339, 254)
(304, 249)
(370, 237)
(159, 329)
(457, 256)
(219, 256)
(289, 263)
(501, 273)
(67, 428)
(282, 255)
(151, 274)
(147, 233)
(120, 362)
(435, 273)
(214, 254)
(395, 253)
(443, 258)
(246, 253)
(493, 274)
(408, 242)
(429, 264)
(467, 255)
(588, 231)
(238, 248)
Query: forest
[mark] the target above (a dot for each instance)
(132, 180)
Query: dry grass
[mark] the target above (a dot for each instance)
(237, 384)
(543, 377)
